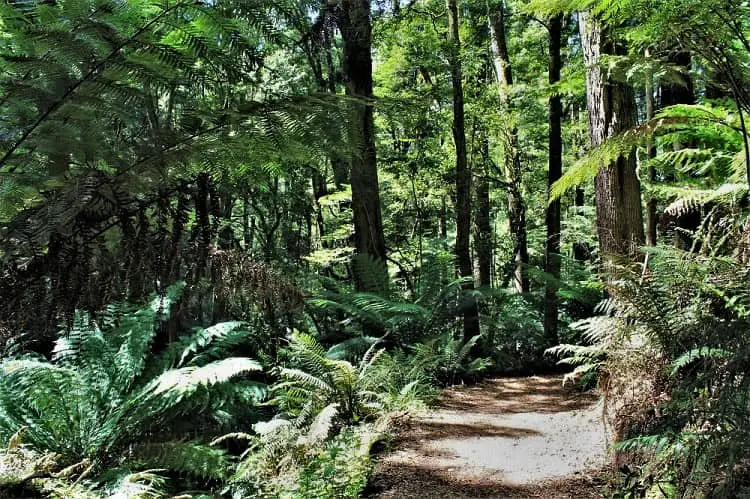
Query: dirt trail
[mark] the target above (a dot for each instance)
(510, 437)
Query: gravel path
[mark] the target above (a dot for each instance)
(509, 437)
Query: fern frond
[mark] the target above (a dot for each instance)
(203, 337)
(147, 484)
(190, 458)
(308, 381)
(697, 353)
(183, 382)
(321, 425)
(669, 120)
(351, 348)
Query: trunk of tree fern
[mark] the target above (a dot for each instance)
(370, 268)
(552, 249)
(670, 94)
(513, 172)
(611, 109)
(463, 175)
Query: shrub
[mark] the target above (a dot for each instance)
(105, 402)
(674, 363)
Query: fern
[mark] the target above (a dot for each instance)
(109, 108)
(698, 353)
(189, 458)
(447, 359)
(672, 364)
(95, 400)
(147, 484)
(704, 123)
(323, 382)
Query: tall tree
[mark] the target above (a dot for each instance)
(512, 156)
(482, 219)
(370, 268)
(611, 109)
(552, 248)
(651, 170)
(463, 175)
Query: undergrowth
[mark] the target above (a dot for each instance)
(672, 359)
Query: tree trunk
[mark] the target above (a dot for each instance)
(482, 223)
(611, 109)
(370, 268)
(671, 93)
(320, 189)
(552, 249)
(443, 228)
(463, 176)
(202, 224)
(339, 166)
(513, 171)
(651, 171)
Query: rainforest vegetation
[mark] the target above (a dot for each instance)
(241, 239)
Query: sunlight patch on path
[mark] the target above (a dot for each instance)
(514, 437)
(544, 447)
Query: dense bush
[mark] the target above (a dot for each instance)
(673, 361)
(105, 409)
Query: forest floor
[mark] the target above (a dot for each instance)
(507, 437)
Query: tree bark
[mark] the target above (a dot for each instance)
(443, 227)
(482, 223)
(651, 217)
(611, 109)
(513, 171)
(463, 176)
(320, 189)
(370, 268)
(202, 224)
(552, 218)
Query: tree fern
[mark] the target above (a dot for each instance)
(704, 123)
(110, 106)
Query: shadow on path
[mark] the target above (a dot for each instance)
(511, 437)
(514, 395)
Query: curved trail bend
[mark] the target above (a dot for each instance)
(508, 437)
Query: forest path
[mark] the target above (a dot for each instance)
(507, 437)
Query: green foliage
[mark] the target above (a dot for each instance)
(144, 142)
(280, 465)
(369, 309)
(340, 470)
(331, 412)
(99, 400)
(402, 382)
(111, 112)
(323, 386)
(699, 123)
(448, 360)
(429, 307)
(676, 333)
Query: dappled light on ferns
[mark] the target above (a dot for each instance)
(104, 393)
